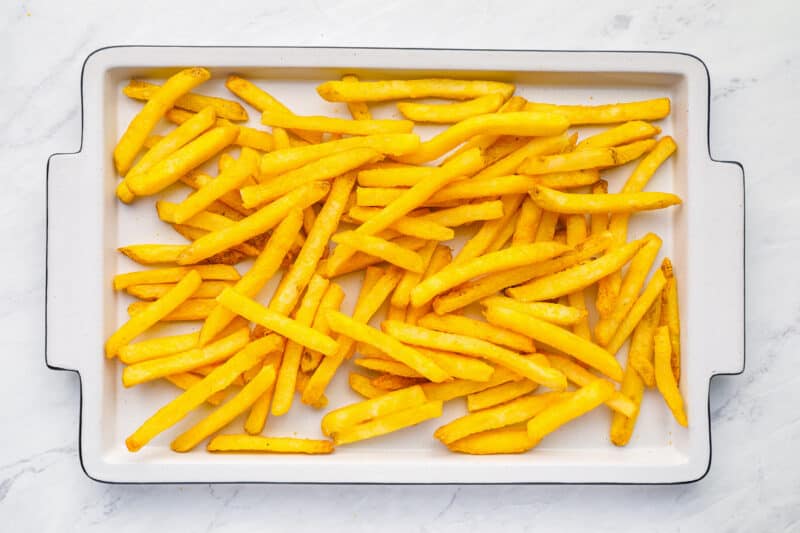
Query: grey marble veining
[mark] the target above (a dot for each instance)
(753, 53)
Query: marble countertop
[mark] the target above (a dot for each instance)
(753, 56)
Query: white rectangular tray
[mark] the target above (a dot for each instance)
(86, 224)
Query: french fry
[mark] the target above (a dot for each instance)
(325, 168)
(529, 216)
(215, 352)
(499, 394)
(546, 230)
(259, 411)
(332, 299)
(408, 201)
(576, 234)
(402, 294)
(496, 441)
(412, 226)
(291, 329)
(588, 158)
(483, 238)
(156, 311)
(466, 214)
(361, 385)
(458, 273)
(457, 388)
(380, 91)
(259, 444)
(357, 413)
(187, 158)
(186, 380)
(358, 110)
(307, 261)
(577, 277)
(252, 138)
(262, 220)
(143, 123)
(576, 405)
(651, 292)
(265, 266)
(629, 290)
(441, 257)
(535, 147)
(390, 423)
(560, 339)
(192, 398)
(655, 109)
(632, 382)
(392, 382)
(486, 141)
(517, 123)
(665, 379)
(513, 412)
(157, 347)
(230, 179)
(386, 250)
(207, 289)
(387, 366)
(640, 352)
(153, 254)
(189, 310)
(231, 199)
(281, 138)
(357, 331)
(469, 327)
(451, 113)
(488, 285)
(227, 413)
(142, 90)
(670, 316)
(635, 130)
(578, 375)
(335, 125)
(558, 314)
(290, 366)
(561, 202)
(400, 176)
(535, 369)
(459, 366)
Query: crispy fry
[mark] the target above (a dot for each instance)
(560, 202)
(496, 441)
(513, 412)
(517, 123)
(455, 274)
(670, 316)
(635, 130)
(457, 388)
(577, 404)
(186, 380)
(389, 423)
(546, 230)
(640, 352)
(143, 123)
(218, 380)
(262, 220)
(402, 294)
(361, 385)
(587, 158)
(336, 125)
(252, 138)
(332, 299)
(561, 315)
(665, 379)
(576, 234)
(227, 413)
(399, 176)
(560, 339)
(442, 256)
(483, 238)
(157, 347)
(386, 250)
(392, 382)
(191, 309)
(325, 168)
(412, 226)
(459, 366)
(231, 199)
(451, 113)
(207, 289)
(357, 413)
(577, 277)
(257, 417)
(259, 444)
(535, 147)
(485, 141)
(529, 216)
(466, 214)
(387, 366)
(469, 327)
(142, 90)
(380, 91)
(499, 394)
(358, 110)
(607, 114)
(185, 361)
(633, 388)
(577, 374)
(153, 254)
(651, 292)
(156, 311)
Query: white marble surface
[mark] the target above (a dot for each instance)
(752, 51)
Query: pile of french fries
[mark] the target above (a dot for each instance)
(545, 231)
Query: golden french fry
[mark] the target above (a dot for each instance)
(466, 214)
(142, 90)
(143, 123)
(262, 220)
(651, 292)
(670, 316)
(576, 234)
(513, 412)
(451, 113)
(574, 406)
(635, 130)
(665, 379)
(307, 261)
(587, 158)
(157, 347)
(577, 277)
(489, 285)
(259, 444)
(442, 256)
(386, 250)
(459, 366)
(560, 339)
(252, 138)
(457, 388)
(496, 441)
(402, 294)
(534, 368)
(546, 230)
(486, 141)
(633, 387)
(188, 157)
(529, 216)
(153, 254)
(325, 168)
(387, 366)
(399, 176)
(207, 289)
(191, 309)
(259, 411)
(332, 299)
(561, 202)
(380, 91)
(358, 110)
(191, 359)
(291, 329)
(391, 382)
(640, 352)
(455, 274)
(357, 413)
(484, 237)
(186, 380)
(607, 114)
(156, 311)
(534, 147)
(389, 423)
(363, 386)
(499, 394)
(582, 377)
(407, 225)
(290, 366)
(192, 398)
(517, 123)
(231, 199)
(469, 327)
(357, 331)
(335, 125)
(561, 315)
(227, 413)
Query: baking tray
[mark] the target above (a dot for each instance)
(85, 225)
